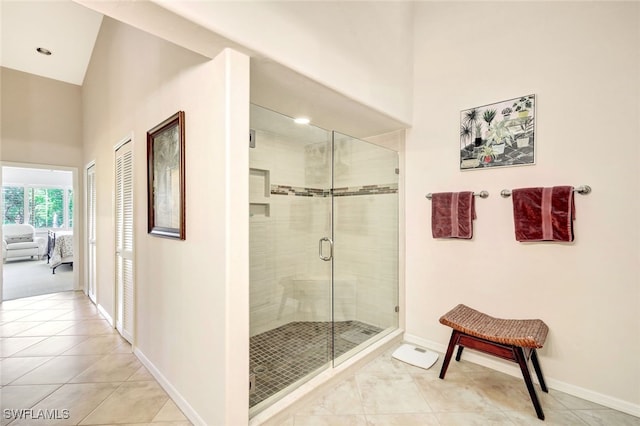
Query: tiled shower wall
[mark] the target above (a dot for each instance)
(291, 206)
(288, 280)
(366, 249)
(366, 228)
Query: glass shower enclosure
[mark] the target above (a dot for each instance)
(323, 251)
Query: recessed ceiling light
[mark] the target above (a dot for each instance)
(301, 120)
(43, 51)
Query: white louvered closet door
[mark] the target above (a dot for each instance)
(124, 240)
(91, 232)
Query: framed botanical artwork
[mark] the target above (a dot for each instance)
(499, 134)
(166, 178)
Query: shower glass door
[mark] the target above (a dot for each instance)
(290, 245)
(365, 226)
(323, 251)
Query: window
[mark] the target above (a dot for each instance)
(13, 204)
(39, 206)
(46, 207)
(70, 207)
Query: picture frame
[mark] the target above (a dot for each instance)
(501, 134)
(166, 178)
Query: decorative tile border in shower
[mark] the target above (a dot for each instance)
(390, 188)
(298, 191)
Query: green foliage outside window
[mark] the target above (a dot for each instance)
(45, 206)
(13, 204)
(70, 207)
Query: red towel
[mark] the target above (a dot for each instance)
(452, 214)
(543, 214)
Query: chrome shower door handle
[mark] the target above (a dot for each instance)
(330, 241)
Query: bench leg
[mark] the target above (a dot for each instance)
(536, 366)
(522, 361)
(459, 353)
(447, 358)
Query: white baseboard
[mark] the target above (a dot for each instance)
(106, 315)
(182, 403)
(513, 370)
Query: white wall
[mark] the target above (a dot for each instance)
(190, 328)
(41, 120)
(582, 61)
(336, 43)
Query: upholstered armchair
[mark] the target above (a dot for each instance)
(19, 240)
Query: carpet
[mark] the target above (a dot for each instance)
(26, 277)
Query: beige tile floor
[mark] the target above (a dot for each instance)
(57, 353)
(387, 392)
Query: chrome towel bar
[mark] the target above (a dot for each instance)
(583, 189)
(481, 194)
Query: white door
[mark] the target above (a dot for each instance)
(124, 240)
(91, 232)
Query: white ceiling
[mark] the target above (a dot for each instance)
(67, 29)
(36, 176)
(70, 29)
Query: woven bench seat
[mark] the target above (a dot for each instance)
(510, 339)
(525, 333)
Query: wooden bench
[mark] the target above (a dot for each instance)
(513, 340)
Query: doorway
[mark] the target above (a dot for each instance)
(38, 205)
(323, 251)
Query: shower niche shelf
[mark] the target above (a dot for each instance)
(259, 183)
(259, 192)
(259, 209)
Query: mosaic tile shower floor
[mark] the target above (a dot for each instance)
(284, 355)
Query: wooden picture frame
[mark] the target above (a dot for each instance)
(166, 178)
